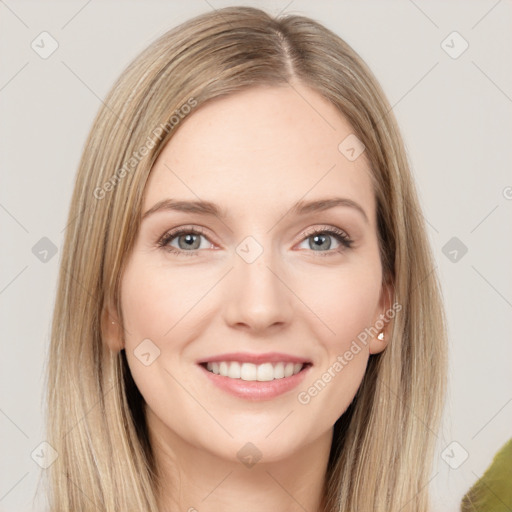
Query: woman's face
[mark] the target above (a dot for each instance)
(252, 286)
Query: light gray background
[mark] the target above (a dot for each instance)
(455, 115)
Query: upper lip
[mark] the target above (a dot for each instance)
(245, 357)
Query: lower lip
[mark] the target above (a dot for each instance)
(256, 390)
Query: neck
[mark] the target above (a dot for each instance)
(195, 479)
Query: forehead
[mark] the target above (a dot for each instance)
(260, 148)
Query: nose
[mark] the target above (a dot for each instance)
(258, 298)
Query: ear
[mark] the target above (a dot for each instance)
(381, 321)
(111, 330)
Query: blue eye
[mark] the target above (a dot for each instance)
(320, 240)
(189, 241)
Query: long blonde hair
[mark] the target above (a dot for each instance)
(383, 444)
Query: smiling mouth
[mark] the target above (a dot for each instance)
(255, 372)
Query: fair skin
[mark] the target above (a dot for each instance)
(254, 154)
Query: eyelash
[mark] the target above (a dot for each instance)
(336, 233)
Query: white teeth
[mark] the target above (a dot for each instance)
(248, 371)
(223, 368)
(279, 371)
(252, 372)
(265, 372)
(234, 370)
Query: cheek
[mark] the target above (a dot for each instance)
(345, 300)
(159, 307)
(347, 304)
(154, 300)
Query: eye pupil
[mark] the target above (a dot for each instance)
(321, 245)
(189, 241)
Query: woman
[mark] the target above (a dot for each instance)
(296, 360)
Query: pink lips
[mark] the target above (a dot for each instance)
(256, 390)
(244, 357)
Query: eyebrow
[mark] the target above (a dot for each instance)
(208, 208)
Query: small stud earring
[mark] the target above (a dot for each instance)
(380, 336)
